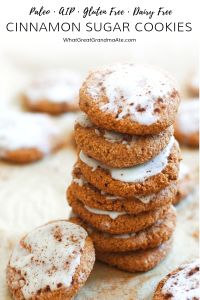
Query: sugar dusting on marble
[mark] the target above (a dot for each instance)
(48, 256)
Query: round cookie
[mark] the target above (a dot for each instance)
(116, 222)
(51, 262)
(185, 184)
(115, 149)
(92, 197)
(180, 284)
(136, 261)
(26, 137)
(143, 179)
(53, 92)
(186, 127)
(130, 98)
(148, 238)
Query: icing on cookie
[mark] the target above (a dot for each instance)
(188, 116)
(184, 284)
(25, 131)
(48, 257)
(83, 120)
(134, 91)
(138, 173)
(112, 214)
(54, 86)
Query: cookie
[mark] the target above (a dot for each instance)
(148, 238)
(115, 149)
(51, 262)
(185, 184)
(136, 261)
(115, 222)
(186, 127)
(193, 86)
(130, 98)
(180, 284)
(26, 137)
(143, 179)
(53, 92)
(92, 197)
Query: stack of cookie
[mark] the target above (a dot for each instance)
(125, 178)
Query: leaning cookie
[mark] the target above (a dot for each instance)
(186, 127)
(182, 283)
(130, 98)
(53, 92)
(51, 262)
(26, 137)
(148, 238)
(92, 197)
(136, 261)
(185, 184)
(143, 179)
(116, 222)
(116, 149)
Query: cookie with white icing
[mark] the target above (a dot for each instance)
(51, 262)
(115, 149)
(136, 261)
(116, 222)
(130, 98)
(95, 198)
(148, 238)
(186, 127)
(185, 184)
(143, 179)
(181, 284)
(26, 137)
(53, 92)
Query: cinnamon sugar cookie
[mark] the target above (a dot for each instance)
(53, 92)
(185, 184)
(130, 98)
(51, 262)
(116, 149)
(92, 197)
(136, 261)
(150, 237)
(187, 123)
(116, 222)
(143, 179)
(181, 284)
(26, 137)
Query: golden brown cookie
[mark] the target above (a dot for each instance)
(185, 184)
(116, 222)
(136, 261)
(53, 92)
(143, 179)
(182, 283)
(115, 149)
(51, 262)
(130, 98)
(186, 127)
(92, 197)
(26, 137)
(150, 237)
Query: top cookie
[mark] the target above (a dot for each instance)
(53, 92)
(130, 98)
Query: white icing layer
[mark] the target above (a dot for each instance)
(138, 173)
(55, 86)
(25, 131)
(112, 214)
(184, 285)
(132, 91)
(48, 256)
(188, 116)
(83, 120)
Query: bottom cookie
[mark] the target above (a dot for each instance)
(138, 261)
